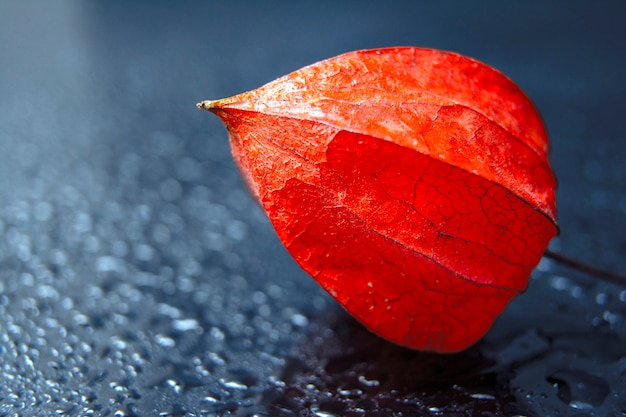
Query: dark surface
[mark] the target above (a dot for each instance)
(137, 277)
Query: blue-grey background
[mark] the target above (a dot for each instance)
(138, 278)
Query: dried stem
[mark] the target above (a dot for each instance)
(586, 268)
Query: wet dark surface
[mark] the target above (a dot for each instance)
(137, 277)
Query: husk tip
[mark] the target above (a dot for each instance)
(206, 105)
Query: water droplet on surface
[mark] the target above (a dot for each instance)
(236, 230)
(82, 222)
(58, 257)
(168, 310)
(27, 279)
(233, 385)
(47, 291)
(175, 385)
(170, 190)
(119, 248)
(43, 211)
(144, 252)
(299, 320)
(319, 413)
(217, 334)
(185, 325)
(161, 233)
(259, 297)
(481, 396)
(580, 405)
(108, 264)
(560, 283)
(165, 341)
(216, 359)
(368, 382)
(576, 291)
